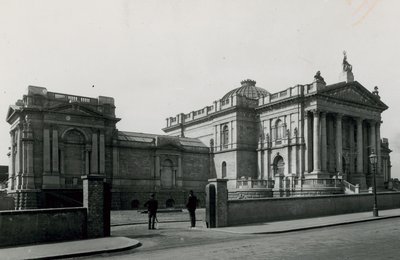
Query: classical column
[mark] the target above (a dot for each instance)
(372, 136)
(339, 152)
(18, 159)
(307, 145)
(55, 151)
(352, 149)
(28, 178)
(331, 152)
(324, 154)
(12, 162)
(378, 148)
(316, 143)
(260, 166)
(372, 139)
(360, 169)
(94, 164)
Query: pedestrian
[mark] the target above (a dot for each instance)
(152, 206)
(191, 205)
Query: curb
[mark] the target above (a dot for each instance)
(145, 222)
(313, 227)
(135, 244)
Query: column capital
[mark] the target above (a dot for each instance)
(358, 119)
(339, 115)
(372, 122)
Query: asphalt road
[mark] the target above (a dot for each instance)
(369, 240)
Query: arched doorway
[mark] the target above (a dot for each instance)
(279, 166)
(167, 174)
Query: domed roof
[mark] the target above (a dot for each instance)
(248, 89)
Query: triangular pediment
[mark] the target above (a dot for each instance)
(355, 93)
(11, 110)
(76, 109)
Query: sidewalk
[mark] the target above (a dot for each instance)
(120, 243)
(69, 249)
(309, 223)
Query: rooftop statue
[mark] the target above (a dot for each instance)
(318, 77)
(346, 66)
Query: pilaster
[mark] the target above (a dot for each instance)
(55, 152)
(102, 157)
(94, 165)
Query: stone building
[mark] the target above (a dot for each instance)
(307, 139)
(57, 138)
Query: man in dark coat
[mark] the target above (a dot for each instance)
(191, 205)
(152, 206)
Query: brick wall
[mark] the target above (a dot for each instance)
(93, 200)
(41, 225)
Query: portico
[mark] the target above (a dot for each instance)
(337, 147)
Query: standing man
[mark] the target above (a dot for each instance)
(152, 206)
(191, 205)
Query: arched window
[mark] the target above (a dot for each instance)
(225, 136)
(223, 170)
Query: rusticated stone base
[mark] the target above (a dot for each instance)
(25, 199)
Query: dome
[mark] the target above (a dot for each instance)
(248, 89)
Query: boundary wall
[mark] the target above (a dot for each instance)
(30, 226)
(275, 209)
(221, 212)
(39, 225)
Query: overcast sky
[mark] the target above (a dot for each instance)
(160, 58)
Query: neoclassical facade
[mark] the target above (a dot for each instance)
(57, 138)
(307, 138)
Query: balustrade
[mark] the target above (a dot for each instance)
(254, 183)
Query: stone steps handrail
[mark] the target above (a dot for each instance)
(350, 187)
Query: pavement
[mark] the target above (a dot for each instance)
(118, 243)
